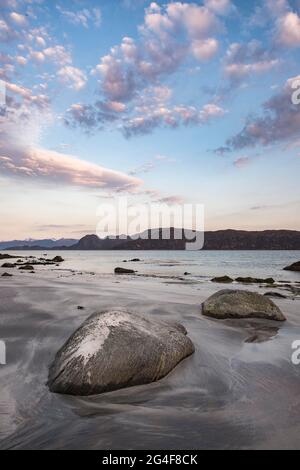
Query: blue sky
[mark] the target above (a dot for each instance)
(160, 101)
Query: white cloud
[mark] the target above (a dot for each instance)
(221, 7)
(58, 54)
(83, 17)
(73, 77)
(242, 70)
(288, 32)
(242, 60)
(21, 60)
(205, 49)
(18, 19)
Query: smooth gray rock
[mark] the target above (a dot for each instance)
(241, 304)
(117, 349)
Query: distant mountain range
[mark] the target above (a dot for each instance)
(153, 240)
(46, 243)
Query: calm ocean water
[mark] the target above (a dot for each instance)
(200, 264)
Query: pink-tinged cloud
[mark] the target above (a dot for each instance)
(22, 156)
(242, 162)
(18, 19)
(172, 200)
(244, 60)
(242, 70)
(288, 33)
(278, 122)
(220, 7)
(45, 165)
(205, 49)
(73, 77)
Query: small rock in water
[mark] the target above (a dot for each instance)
(8, 265)
(222, 279)
(117, 349)
(6, 275)
(26, 267)
(294, 267)
(57, 259)
(255, 280)
(80, 307)
(6, 256)
(124, 271)
(241, 304)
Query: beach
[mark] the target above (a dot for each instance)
(239, 390)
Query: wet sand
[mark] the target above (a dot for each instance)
(239, 390)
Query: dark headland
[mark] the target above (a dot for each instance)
(218, 240)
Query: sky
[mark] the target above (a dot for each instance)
(160, 102)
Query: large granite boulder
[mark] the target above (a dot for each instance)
(294, 267)
(117, 349)
(241, 304)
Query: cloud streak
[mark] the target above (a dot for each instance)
(54, 167)
(22, 156)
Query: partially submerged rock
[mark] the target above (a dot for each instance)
(6, 275)
(294, 267)
(223, 279)
(241, 304)
(255, 280)
(134, 260)
(124, 271)
(117, 349)
(26, 267)
(57, 259)
(6, 256)
(8, 265)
